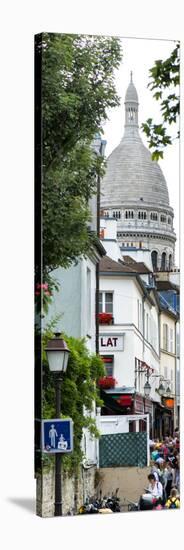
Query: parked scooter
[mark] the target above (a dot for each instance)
(106, 504)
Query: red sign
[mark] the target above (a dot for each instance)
(107, 358)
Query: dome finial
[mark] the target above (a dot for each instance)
(131, 105)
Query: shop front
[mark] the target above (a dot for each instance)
(163, 420)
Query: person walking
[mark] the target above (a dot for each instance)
(173, 501)
(169, 474)
(156, 471)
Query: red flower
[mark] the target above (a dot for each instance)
(105, 317)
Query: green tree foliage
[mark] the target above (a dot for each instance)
(79, 392)
(164, 81)
(77, 89)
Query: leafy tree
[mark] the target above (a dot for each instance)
(77, 89)
(164, 81)
(79, 392)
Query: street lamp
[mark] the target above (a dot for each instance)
(161, 389)
(168, 391)
(57, 355)
(147, 388)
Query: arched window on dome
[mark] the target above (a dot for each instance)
(142, 215)
(154, 257)
(131, 114)
(129, 214)
(169, 221)
(163, 218)
(170, 262)
(163, 261)
(154, 216)
(116, 214)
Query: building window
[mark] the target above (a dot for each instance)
(169, 220)
(154, 216)
(147, 321)
(170, 262)
(171, 340)
(165, 373)
(141, 215)
(139, 311)
(129, 214)
(163, 261)
(163, 218)
(154, 257)
(131, 114)
(165, 337)
(105, 302)
(108, 361)
(106, 214)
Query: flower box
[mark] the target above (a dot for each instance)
(107, 382)
(105, 318)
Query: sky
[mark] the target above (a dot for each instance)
(139, 56)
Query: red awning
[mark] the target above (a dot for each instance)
(125, 400)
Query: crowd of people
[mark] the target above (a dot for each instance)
(164, 477)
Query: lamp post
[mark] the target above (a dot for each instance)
(57, 355)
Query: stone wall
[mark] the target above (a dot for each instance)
(74, 491)
(131, 482)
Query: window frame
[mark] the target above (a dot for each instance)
(165, 341)
(104, 357)
(103, 301)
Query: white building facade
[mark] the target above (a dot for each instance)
(130, 345)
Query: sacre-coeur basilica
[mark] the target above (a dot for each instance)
(134, 192)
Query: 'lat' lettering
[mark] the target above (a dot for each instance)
(115, 340)
(102, 344)
(109, 342)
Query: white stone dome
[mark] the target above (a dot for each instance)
(131, 175)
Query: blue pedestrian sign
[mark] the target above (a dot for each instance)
(57, 435)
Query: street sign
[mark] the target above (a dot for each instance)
(57, 435)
